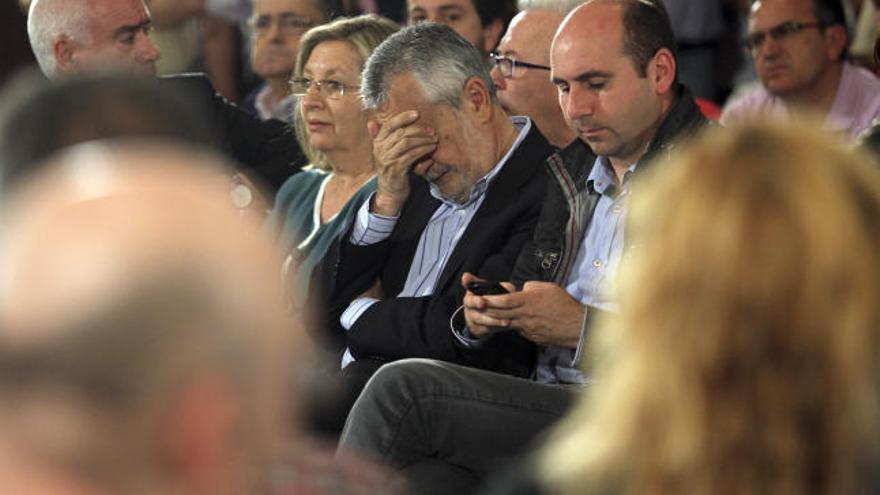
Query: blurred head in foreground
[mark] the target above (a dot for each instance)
(38, 119)
(143, 343)
(751, 367)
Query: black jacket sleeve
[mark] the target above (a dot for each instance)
(267, 151)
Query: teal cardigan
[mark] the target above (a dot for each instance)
(296, 222)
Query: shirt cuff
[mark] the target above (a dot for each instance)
(461, 332)
(354, 311)
(370, 228)
(347, 359)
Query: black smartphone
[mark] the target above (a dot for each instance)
(486, 288)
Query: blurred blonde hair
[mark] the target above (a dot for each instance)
(745, 356)
(364, 33)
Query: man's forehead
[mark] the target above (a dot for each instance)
(113, 14)
(767, 13)
(531, 30)
(571, 56)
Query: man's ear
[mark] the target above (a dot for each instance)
(837, 40)
(65, 50)
(491, 35)
(661, 70)
(477, 99)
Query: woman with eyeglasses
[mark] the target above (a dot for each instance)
(314, 206)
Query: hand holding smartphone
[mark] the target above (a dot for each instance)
(486, 288)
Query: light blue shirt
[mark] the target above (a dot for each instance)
(437, 241)
(592, 276)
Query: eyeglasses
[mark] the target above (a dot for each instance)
(507, 65)
(327, 88)
(288, 24)
(779, 32)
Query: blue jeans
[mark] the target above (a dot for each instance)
(446, 426)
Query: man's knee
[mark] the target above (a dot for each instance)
(403, 380)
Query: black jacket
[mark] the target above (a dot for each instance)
(569, 204)
(266, 150)
(397, 328)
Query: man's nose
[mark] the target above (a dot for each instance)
(148, 51)
(579, 103)
(769, 48)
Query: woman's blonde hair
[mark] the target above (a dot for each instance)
(745, 356)
(364, 33)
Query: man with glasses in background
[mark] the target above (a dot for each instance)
(276, 28)
(521, 67)
(799, 48)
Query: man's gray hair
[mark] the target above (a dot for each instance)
(49, 19)
(438, 57)
(562, 6)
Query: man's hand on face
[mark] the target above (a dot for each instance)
(542, 312)
(399, 145)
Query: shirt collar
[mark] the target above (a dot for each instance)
(602, 178)
(523, 125)
(282, 110)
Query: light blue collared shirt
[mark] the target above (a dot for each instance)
(437, 242)
(591, 278)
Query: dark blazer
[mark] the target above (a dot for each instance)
(266, 150)
(398, 328)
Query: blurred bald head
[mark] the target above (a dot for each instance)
(136, 302)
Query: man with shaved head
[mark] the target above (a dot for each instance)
(144, 346)
(614, 67)
(521, 67)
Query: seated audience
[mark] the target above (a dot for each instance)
(86, 36)
(459, 187)
(799, 48)
(276, 28)
(521, 67)
(145, 347)
(754, 370)
(481, 22)
(445, 426)
(316, 205)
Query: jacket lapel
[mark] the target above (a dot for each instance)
(519, 169)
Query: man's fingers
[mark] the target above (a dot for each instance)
(403, 146)
(485, 320)
(414, 157)
(412, 131)
(399, 120)
(510, 301)
(473, 301)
